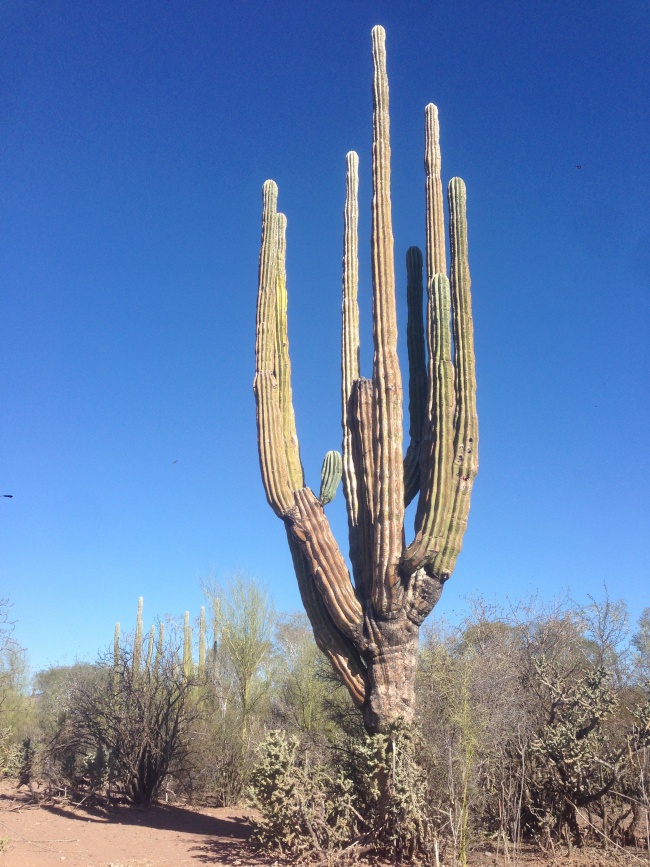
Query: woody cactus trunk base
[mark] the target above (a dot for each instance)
(368, 623)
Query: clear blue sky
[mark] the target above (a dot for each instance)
(135, 140)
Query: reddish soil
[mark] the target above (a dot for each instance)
(42, 835)
(45, 834)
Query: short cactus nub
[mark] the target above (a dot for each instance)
(367, 623)
(330, 476)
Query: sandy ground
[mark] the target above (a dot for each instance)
(165, 836)
(43, 835)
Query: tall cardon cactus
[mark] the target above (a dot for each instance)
(368, 624)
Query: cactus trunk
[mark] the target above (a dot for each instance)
(367, 623)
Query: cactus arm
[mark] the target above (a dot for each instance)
(187, 647)
(271, 440)
(330, 476)
(388, 491)
(137, 641)
(432, 516)
(310, 528)
(417, 372)
(465, 463)
(340, 651)
(150, 644)
(283, 362)
(202, 640)
(436, 253)
(436, 452)
(350, 329)
(356, 395)
(361, 543)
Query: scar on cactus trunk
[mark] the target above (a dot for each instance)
(368, 623)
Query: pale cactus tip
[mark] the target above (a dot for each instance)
(270, 188)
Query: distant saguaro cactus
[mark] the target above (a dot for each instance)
(369, 628)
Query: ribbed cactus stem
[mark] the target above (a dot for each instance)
(465, 460)
(283, 363)
(388, 507)
(417, 371)
(137, 640)
(160, 646)
(150, 644)
(350, 330)
(436, 252)
(370, 632)
(271, 441)
(202, 640)
(330, 476)
(436, 469)
(187, 647)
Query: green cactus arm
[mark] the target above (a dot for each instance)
(388, 493)
(436, 252)
(356, 396)
(341, 652)
(271, 440)
(417, 371)
(187, 646)
(465, 462)
(361, 542)
(202, 640)
(137, 641)
(150, 643)
(300, 509)
(330, 476)
(432, 516)
(283, 362)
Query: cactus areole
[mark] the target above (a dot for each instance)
(367, 624)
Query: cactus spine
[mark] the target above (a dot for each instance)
(368, 623)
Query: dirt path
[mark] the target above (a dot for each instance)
(165, 836)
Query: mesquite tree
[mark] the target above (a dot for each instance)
(368, 625)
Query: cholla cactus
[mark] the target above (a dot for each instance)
(368, 624)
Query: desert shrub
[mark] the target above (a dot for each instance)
(236, 688)
(364, 795)
(130, 726)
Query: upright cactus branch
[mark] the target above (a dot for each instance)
(150, 644)
(367, 623)
(202, 641)
(137, 641)
(388, 493)
(188, 662)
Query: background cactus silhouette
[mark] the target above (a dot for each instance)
(368, 623)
